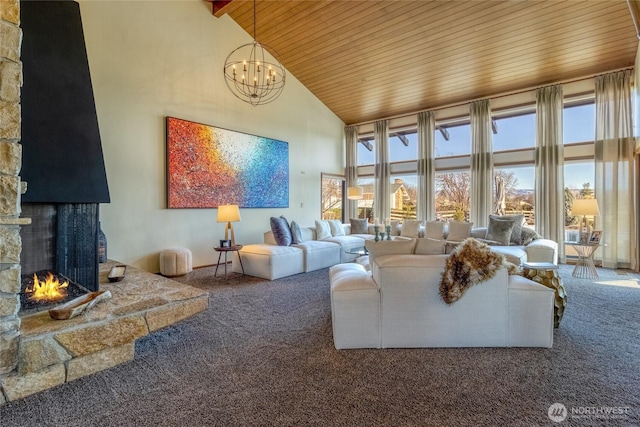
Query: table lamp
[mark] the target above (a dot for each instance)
(229, 214)
(585, 207)
(354, 193)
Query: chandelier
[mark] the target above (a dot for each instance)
(253, 71)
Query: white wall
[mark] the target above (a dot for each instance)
(150, 60)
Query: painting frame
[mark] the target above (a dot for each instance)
(595, 236)
(208, 166)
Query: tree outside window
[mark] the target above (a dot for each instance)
(332, 203)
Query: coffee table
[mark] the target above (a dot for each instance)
(360, 250)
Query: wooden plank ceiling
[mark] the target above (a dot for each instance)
(367, 60)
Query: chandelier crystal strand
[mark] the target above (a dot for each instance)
(253, 73)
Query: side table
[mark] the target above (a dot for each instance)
(225, 250)
(585, 268)
(546, 274)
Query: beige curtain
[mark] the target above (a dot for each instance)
(549, 161)
(351, 171)
(481, 198)
(615, 170)
(382, 204)
(426, 209)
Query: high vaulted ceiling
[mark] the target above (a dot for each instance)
(367, 60)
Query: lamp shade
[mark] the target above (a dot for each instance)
(228, 213)
(587, 207)
(354, 193)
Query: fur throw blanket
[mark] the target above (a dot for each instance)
(470, 263)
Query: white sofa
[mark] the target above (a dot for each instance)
(540, 250)
(397, 304)
(270, 261)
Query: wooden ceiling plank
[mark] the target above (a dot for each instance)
(467, 48)
(508, 55)
(476, 46)
(390, 42)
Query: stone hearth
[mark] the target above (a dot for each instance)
(53, 352)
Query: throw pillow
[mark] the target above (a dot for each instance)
(323, 230)
(281, 231)
(517, 226)
(395, 228)
(459, 230)
(434, 230)
(410, 228)
(428, 246)
(500, 230)
(359, 226)
(296, 233)
(528, 235)
(336, 227)
(389, 247)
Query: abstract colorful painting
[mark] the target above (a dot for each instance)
(209, 166)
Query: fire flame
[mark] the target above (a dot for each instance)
(48, 290)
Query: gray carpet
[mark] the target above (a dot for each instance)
(263, 355)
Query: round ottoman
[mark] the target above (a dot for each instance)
(175, 262)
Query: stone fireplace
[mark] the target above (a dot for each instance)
(11, 186)
(54, 225)
(49, 139)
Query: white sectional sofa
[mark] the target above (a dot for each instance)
(270, 261)
(539, 250)
(397, 304)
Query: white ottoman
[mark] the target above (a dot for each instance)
(175, 262)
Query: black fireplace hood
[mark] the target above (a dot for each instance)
(62, 159)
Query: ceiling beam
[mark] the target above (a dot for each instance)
(403, 139)
(218, 7)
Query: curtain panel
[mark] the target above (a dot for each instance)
(351, 171)
(382, 175)
(549, 166)
(481, 197)
(615, 170)
(426, 203)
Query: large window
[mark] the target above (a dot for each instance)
(452, 195)
(579, 123)
(453, 140)
(403, 196)
(365, 205)
(579, 167)
(579, 179)
(452, 186)
(514, 192)
(403, 146)
(514, 141)
(332, 197)
(514, 132)
(365, 151)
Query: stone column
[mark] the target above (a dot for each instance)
(10, 185)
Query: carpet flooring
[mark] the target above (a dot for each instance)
(263, 355)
